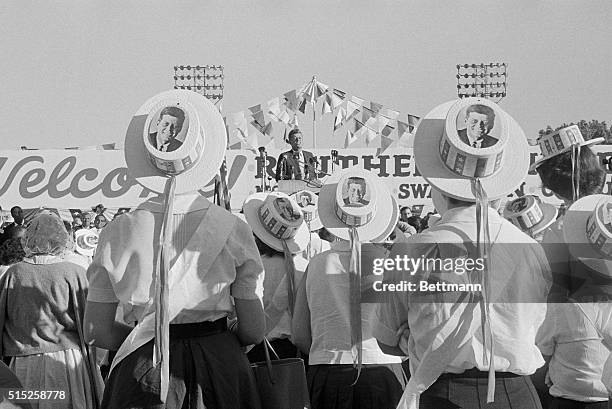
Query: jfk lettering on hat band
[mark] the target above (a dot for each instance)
(598, 228)
(184, 157)
(456, 152)
(524, 212)
(275, 223)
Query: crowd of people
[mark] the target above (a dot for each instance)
(179, 293)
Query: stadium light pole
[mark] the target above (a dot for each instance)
(482, 80)
(203, 79)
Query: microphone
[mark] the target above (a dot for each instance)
(263, 156)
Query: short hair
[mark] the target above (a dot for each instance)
(293, 132)
(176, 112)
(556, 174)
(484, 110)
(405, 208)
(358, 181)
(15, 211)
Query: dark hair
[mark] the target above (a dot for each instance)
(484, 110)
(266, 250)
(556, 174)
(16, 211)
(177, 113)
(405, 207)
(357, 181)
(293, 132)
(11, 252)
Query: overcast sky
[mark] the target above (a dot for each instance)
(74, 72)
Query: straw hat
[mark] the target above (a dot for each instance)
(308, 201)
(530, 214)
(587, 229)
(86, 241)
(450, 164)
(274, 217)
(201, 143)
(355, 197)
(561, 141)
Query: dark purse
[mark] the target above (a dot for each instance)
(281, 382)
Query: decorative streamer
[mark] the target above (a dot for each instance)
(291, 100)
(339, 121)
(337, 97)
(161, 351)
(327, 105)
(376, 107)
(401, 128)
(350, 138)
(483, 247)
(290, 268)
(355, 298)
(575, 171)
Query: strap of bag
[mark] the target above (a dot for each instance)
(267, 349)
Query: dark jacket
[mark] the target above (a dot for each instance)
(287, 167)
(487, 140)
(173, 144)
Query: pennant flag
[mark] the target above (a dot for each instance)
(381, 123)
(259, 118)
(302, 107)
(320, 89)
(309, 92)
(255, 108)
(352, 108)
(339, 118)
(266, 130)
(291, 100)
(327, 105)
(387, 130)
(370, 135)
(337, 98)
(366, 114)
(401, 128)
(376, 107)
(358, 125)
(236, 129)
(350, 138)
(274, 107)
(293, 122)
(385, 143)
(284, 117)
(412, 122)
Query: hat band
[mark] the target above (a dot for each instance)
(560, 141)
(597, 236)
(177, 166)
(529, 218)
(309, 216)
(465, 164)
(352, 220)
(274, 225)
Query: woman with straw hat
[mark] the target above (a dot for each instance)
(347, 369)
(42, 301)
(179, 265)
(281, 238)
(577, 333)
(475, 342)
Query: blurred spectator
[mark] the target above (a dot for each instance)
(406, 228)
(416, 222)
(17, 214)
(405, 213)
(100, 221)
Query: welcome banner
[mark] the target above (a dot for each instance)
(81, 179)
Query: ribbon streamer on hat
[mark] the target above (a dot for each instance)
(483, 247)
(161, 350)
(575, 172)
(355, 301)
(290, 269)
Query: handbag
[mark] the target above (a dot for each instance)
(281, 382)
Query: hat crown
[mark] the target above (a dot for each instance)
(181, 144)
(475, 135)
(524, 212)
(307, 202)
(281, 216)
(599, 227)
(356, 198)
(557, 142)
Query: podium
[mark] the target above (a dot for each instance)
(291, 186)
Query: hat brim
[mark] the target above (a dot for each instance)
(211, 122)
(430, 165)
(549, 213)
(251, 207)
(574, 232)
(368, 232)
(537, 163)
(392, 224)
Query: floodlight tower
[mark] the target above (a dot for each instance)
(482, 80)
(203, 79)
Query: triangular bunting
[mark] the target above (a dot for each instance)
(350, 138)
(401, 128)
(274, 107)
(284, 117)
(337, 97)
(381, 123)
(376, 107)
(366, 114)
(259, 118)
(293, 122)
(320, 89)
(327, 107)
(370, 135)
(291, 100)
(309, 92)
(385, 143)
(352, 108)
(255, 109)
(302, 107)
(358, 125)
(413, 121)
(339, 118)
(389, 113)
(386, 131)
